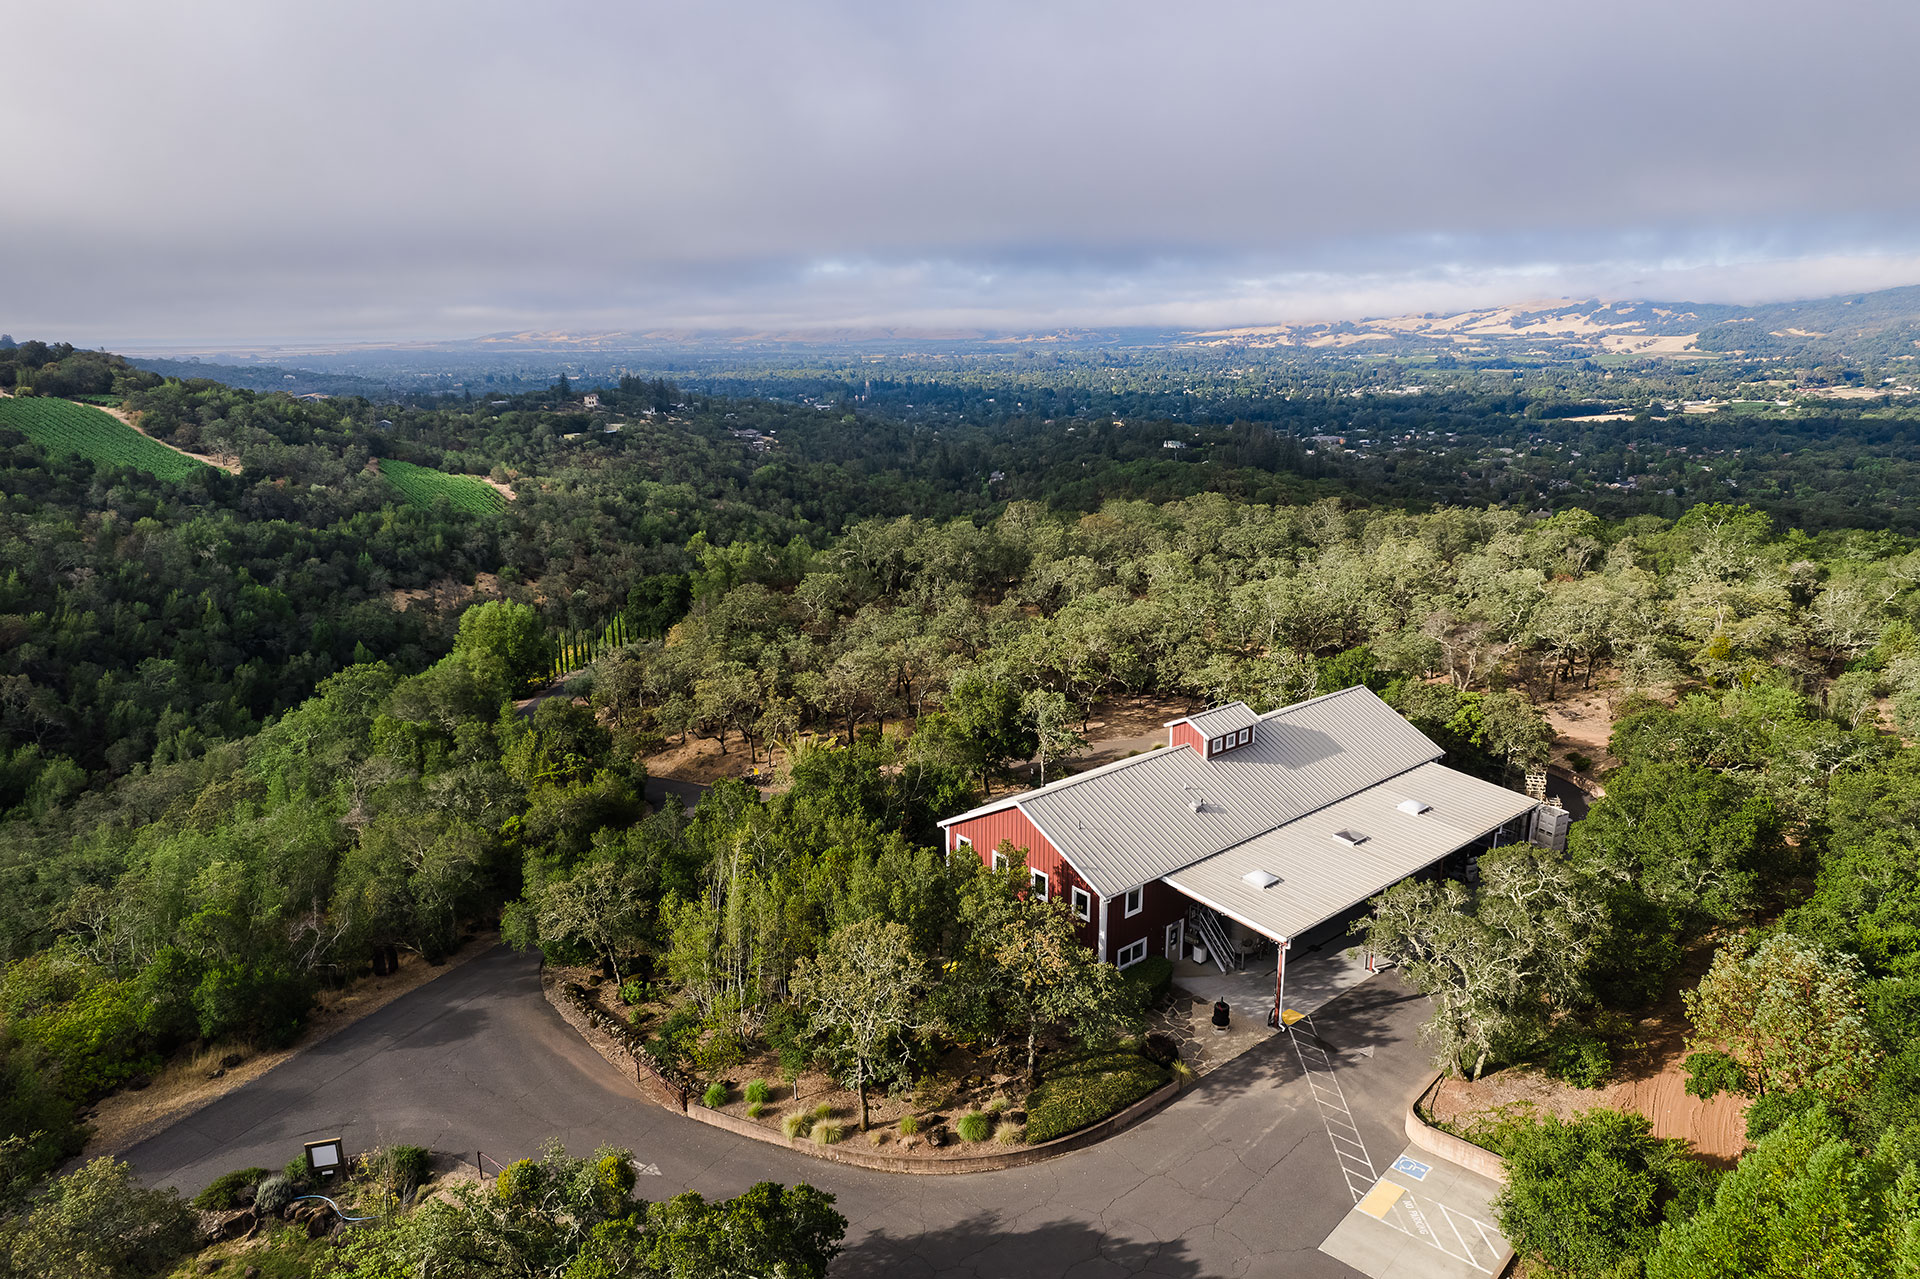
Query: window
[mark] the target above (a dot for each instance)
(1136, 899)
(999, 860)
(1219, 744)
(1082, 904)
(1040, 884)
(1132, 953)
(1246, 735)
(961, 841)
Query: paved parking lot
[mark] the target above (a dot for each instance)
(1236, 1178)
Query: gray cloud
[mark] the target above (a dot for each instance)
(234, 171)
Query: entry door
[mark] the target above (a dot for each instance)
(1176, 939)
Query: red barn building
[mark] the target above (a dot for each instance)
(1245, 826)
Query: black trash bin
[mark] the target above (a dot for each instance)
(1221, 1014)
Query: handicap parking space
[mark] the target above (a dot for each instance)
(1422, 1219)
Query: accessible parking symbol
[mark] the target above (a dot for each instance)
(1412, 1168)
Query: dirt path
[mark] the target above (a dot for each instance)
(124, 1119)
(220, 461)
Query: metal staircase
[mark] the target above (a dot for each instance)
(1211, 928)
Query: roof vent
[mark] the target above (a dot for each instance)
(1195, 804)
(1414, 807)
(1260, 879)
(1351, 838)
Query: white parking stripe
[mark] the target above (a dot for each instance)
(1332, 1102)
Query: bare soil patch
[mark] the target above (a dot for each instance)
(187, 1083)
(699, 759)
(1123, 726)
(1649, 1079)
(447, 594)
(1582, 724)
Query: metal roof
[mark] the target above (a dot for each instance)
(1320, 876)
(1139, 819)
(1221, 720)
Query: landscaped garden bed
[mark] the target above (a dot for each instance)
(962, 1104)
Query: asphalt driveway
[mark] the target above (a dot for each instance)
(1237, 1177)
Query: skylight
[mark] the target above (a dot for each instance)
(1260, 879)
(1351, 838)
(1414, 807)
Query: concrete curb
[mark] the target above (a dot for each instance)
(654, 1092)
(942, 1165)
(659, 1091)
(1444, 1145)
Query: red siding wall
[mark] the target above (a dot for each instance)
(1011, 826)
(1187, 735)
(1160, 906)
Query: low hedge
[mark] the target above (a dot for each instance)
(1155, 972)
(1084, 1090)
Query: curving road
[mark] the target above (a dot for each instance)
(1235, 1178)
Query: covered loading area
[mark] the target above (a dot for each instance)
(1319, 866)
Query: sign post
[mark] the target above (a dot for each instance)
(326, 1159)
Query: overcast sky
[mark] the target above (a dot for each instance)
(232, 172)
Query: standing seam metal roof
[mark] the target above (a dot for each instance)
(1221, 720)
(1135, 820)
(1318, 877)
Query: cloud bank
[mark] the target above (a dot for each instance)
(237, 171)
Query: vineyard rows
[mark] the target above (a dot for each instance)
(61, 426)
(423, 486)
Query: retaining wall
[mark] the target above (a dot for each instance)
(1455, 1150)
(664, 1092)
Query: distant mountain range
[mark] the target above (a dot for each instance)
(1856, 327)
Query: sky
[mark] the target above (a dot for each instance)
(252, 171)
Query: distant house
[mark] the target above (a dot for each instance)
(996, 477)
(1248, 828)
(1173, 444)
(590, 401)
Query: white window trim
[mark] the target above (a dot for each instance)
(1041, 884)
(962, 841)
(1082, 904)
(1135, 901)
(999, 860)
(1131, 953)
(1218, 744)
(1245, 736)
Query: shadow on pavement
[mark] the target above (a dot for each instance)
(1370, 1018)
(982, 1246)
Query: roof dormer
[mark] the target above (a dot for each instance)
(1215, 731)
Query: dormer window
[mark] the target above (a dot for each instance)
(1216, 731)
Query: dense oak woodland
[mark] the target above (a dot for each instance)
(231, 768)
